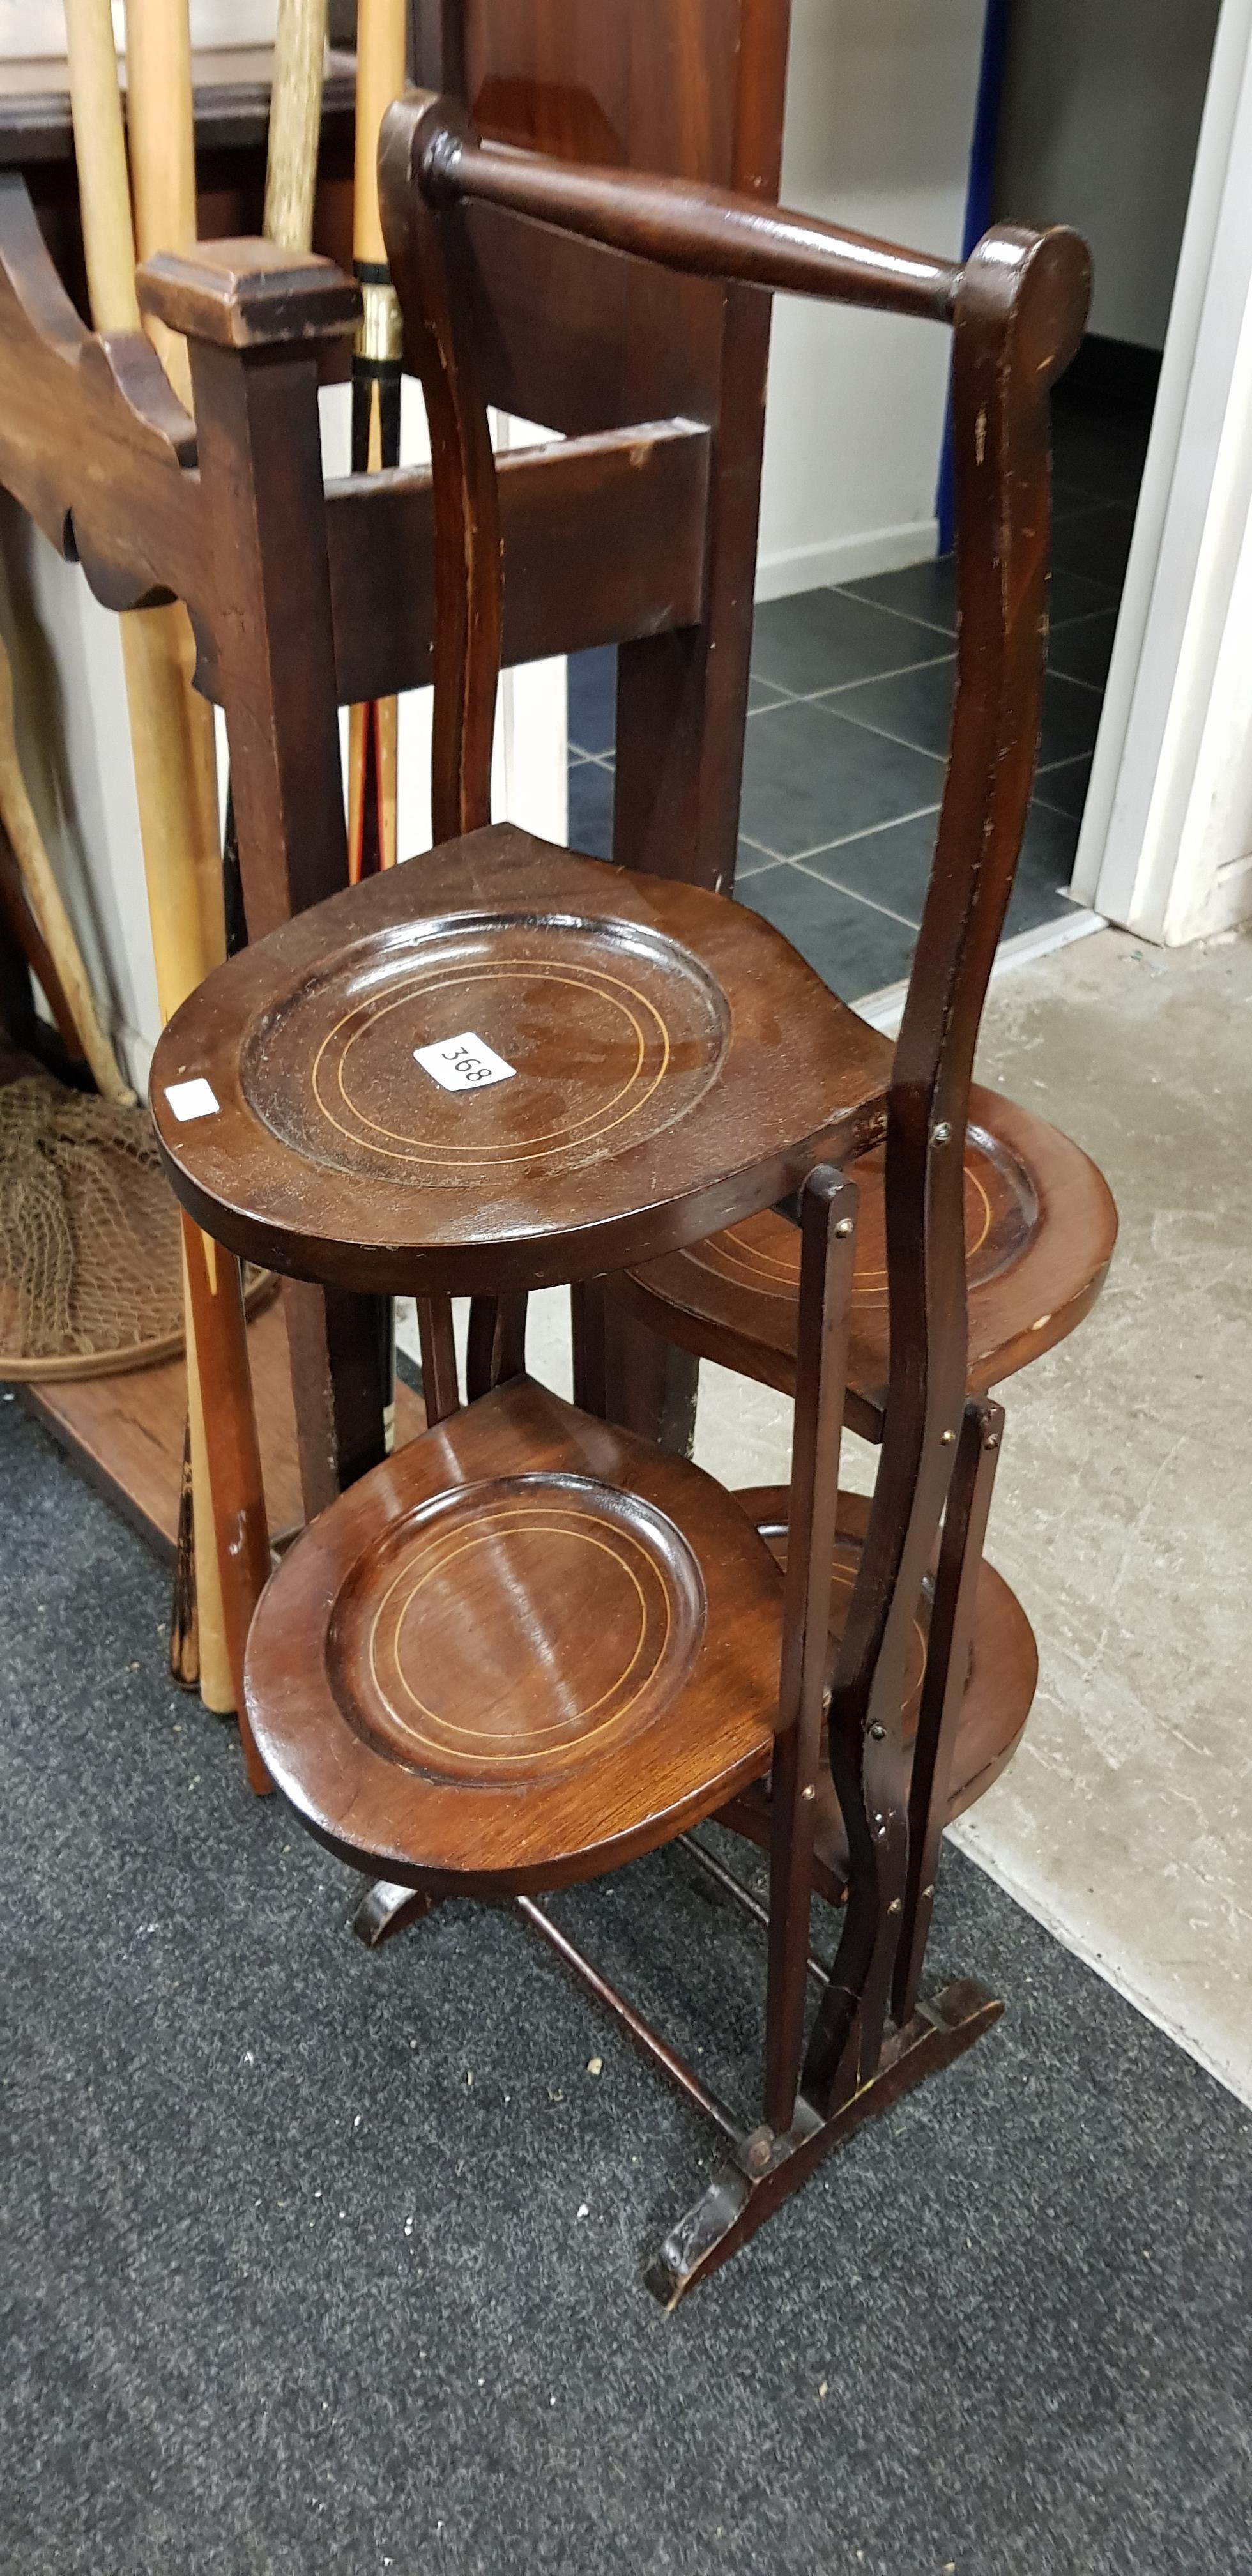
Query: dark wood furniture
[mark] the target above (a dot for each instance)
(231, 109)
(532, 1644)
(1040, 1227)
(639, 531)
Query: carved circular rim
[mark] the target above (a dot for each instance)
(698, 1141)
(367, 1668)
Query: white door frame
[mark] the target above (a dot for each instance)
(1166, 842)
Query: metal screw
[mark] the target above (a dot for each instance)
(896, 1906)
(808, 1794)
(928, 1891)
(992, 1440)
(941, 1134)
(844, 1226)
(879, 1734)
(757, 2152)
(948, 1438)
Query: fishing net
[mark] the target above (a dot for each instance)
(90, 1246)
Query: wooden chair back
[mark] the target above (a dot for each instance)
(568, 335)
(1016, 310)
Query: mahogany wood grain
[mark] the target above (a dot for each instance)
(260, 467)
(432, 272)
(531, 1646)
(996, 1678)
(126, 1433)
(682, 224)
(517, 1747)
(631, 502)
(582, 340)
(1017, 309)
(234, 1486)
(1018, 314)
(1040, 1227)
(522, 1651)
(953, 1616)
(650, 1096)
(764, 2170)
(826, 1228)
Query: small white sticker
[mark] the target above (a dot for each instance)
(463, 1064)
(192, 1099)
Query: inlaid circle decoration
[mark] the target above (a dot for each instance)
(762, 1254)
(1001, 1212)
(609, 1032)
(512, 1627)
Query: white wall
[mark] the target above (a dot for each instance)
(1166, 846)
(880, 109)
(74, 744)
(35, 29)
(1102, 108)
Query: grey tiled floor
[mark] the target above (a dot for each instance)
(848, 722)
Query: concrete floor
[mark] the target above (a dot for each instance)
(1124, 1499)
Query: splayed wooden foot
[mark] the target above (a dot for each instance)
(764, 2170)
(386, 1909)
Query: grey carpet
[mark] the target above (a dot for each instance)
(284, 2290)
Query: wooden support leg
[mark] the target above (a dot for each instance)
(496, 1349)
(441, 1394)
(947, 1666)
(827, 1242)
(587, 1326)
(386, 1909)
(650, 1387)
(765, 2169)
(238, 1531)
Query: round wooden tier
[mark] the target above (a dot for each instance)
(999, 1686)
(530, 1647)
(673, 1067)
(521, 1651)
(1040, 1226)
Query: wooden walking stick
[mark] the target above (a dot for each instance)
(44, 897)
(295, 122)
(373, 730)
(172, 740)
(381, 36)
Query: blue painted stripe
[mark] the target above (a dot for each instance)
(978, 200)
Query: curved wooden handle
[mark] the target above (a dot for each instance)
(295, 122)
(679, 223)
(46, 903)
(716, 232)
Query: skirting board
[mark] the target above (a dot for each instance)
(840, 559)
(885, 1009)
